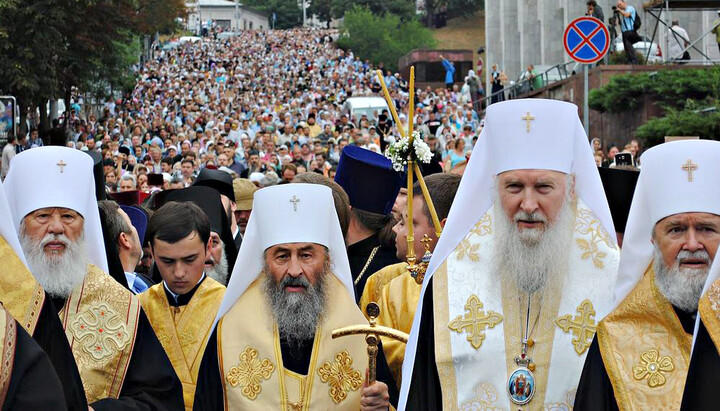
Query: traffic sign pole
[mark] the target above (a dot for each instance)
(586, 105)
(586, 40)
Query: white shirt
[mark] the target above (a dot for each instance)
(676, 42)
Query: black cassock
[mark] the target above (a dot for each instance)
(50, 336)
(209, 391)
(358, 255)
(150, 382)
(703, 378)
(34, 384)
(425, 392)
(595, 391)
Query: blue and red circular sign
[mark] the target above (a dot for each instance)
(586, 40)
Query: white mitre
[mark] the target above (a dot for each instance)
(7, 228)
(288, 213)
(523, 134)
(677, 177)
(57, 177)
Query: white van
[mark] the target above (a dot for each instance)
(357, 106)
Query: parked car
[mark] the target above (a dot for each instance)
(642, 47)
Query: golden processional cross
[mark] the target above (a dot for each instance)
(372, 333)
(583, 326)
(475, 321)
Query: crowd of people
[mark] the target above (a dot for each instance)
(264, 105)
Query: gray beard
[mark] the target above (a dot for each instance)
(534, 259)
(681, 286)
(59, 275)
(297, 314)
(219, 271)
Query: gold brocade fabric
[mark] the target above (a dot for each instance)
(100, 320)
(709, 309)
(8, 339)
(184, 331)
(645, 349)
(376, 282)
(21, 295)
(397, 297)
(398, 301)
(250, 357)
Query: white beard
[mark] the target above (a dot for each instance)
(219, 271)
(58, 274)
(534, 258)
(681, 286)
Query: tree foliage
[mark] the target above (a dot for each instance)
(288, 12)
(705, 125)
(668, 88)
(49, 47)
(404, 9)
(686, 96)
(382, 38)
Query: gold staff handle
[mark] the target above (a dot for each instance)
(372, 334)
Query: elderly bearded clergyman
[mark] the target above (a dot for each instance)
(524, 265)
(291, 287)
(121, 362)
(641, 354)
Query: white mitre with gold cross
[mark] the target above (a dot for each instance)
(287, 213)
(57, 177)
(477, 316)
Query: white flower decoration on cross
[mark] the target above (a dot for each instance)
(399, 151)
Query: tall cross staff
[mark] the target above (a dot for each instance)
(413, 168)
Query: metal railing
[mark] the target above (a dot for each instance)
(514, 90)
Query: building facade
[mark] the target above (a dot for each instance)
(227, 14)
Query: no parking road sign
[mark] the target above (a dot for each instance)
(586, 40)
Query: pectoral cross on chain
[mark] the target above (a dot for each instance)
(295, 202)
(62, 165)
(689, 167)
(528, 118)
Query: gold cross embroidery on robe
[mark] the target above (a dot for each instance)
(250, 372)
(101, 331)
(340, 376)
(653, 368)
(475, 321)
(583, 326)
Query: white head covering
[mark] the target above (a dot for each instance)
(526, 134)
(288, 213)
(7, 228)
(57, 177)
(665, 188)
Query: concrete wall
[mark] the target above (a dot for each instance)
(522, 32)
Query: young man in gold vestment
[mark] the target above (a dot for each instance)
(393, 288)
(182, 308)
(640, 356)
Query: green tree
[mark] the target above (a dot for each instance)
(405, 9)
(322, 9)
(288, 12)
(382, 38)
(688, 98)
